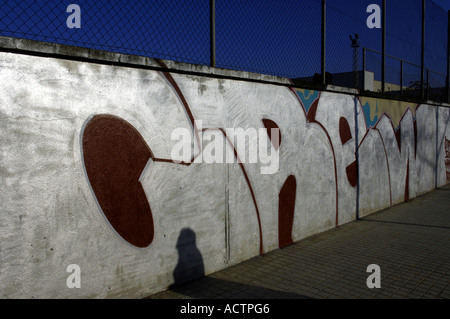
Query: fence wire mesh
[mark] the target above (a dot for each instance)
(347, 33)
(282, 38)
(176, 29)
(272, 37)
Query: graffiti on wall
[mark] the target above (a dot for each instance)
(115, 154)
(88, 165)
(375, 108)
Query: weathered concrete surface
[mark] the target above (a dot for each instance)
(50, 216)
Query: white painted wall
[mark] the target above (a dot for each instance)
(49, 217)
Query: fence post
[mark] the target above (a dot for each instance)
(422, 67)
(212, 32)
(383, 49)
(364, 69)
(324, 41)
(401, 77)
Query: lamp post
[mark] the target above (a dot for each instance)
(355, 44)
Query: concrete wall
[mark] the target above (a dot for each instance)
(87, 177)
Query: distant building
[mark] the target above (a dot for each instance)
(346, 79)
(368, 83)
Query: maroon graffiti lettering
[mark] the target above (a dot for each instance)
(286, 211)
(115, 154)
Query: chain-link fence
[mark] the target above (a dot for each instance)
(403, 72)
(167, 29)
(339, 42)
(272, 37)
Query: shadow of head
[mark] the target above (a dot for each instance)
(190, 262)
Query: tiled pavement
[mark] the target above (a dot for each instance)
(410, 242)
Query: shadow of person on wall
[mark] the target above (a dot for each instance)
(190, 262)
(190, 280)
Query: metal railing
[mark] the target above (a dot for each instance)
(401, 83)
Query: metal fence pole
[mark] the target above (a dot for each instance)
(212, 30)
(324, 41)
(422, 67)
(401, 77)
(448, 59)
(364, 68)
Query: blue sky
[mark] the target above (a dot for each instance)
(445, 4)
(275, 37)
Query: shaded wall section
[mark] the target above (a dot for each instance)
(88, 179)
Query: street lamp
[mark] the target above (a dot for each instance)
(355, 44)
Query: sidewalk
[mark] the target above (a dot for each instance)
(410, 242)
